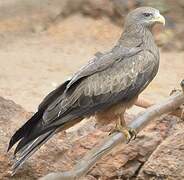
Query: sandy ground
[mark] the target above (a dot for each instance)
(33, 65)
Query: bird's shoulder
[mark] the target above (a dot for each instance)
(102, 61)
(120, 75)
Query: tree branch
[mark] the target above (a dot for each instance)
(143, 103)
(84, 165)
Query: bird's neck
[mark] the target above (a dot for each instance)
(137, 35)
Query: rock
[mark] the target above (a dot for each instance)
(22, 16)
(12, 116)
(167, 161)
(126, 160)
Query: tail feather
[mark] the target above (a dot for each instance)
(36, 132)
(24, 153)
(25, 129)
(33, 134)
(32, 122)
(22, 144)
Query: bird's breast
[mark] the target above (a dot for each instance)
(112, 113)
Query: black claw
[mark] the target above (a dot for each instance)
(111, 132)
(133, 135)
(128, 140)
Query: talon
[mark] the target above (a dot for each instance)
(133, 133)
(112, 131)
(129, 133)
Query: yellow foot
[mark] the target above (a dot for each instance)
(129, 133)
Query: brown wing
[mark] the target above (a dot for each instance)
(120, 82)
(102, 62)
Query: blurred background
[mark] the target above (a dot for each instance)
(42, 42)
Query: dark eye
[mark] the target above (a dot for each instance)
(147, 14)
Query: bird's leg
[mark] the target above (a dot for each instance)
(129, 133)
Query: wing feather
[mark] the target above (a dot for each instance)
(102, 62)
(121, 81)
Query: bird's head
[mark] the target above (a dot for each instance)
(145, 16)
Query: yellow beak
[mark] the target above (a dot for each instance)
(159, 19)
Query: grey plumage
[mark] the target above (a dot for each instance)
(111, 78)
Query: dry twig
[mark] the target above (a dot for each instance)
(89, 160)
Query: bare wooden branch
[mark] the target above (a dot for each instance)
(179, 112)
(89, 160)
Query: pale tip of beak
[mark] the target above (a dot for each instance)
(160, 19)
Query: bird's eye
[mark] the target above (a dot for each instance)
(147, 14)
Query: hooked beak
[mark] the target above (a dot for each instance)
(159, 19)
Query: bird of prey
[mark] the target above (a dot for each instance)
(108, 85)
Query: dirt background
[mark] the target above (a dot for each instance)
(43, 42)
